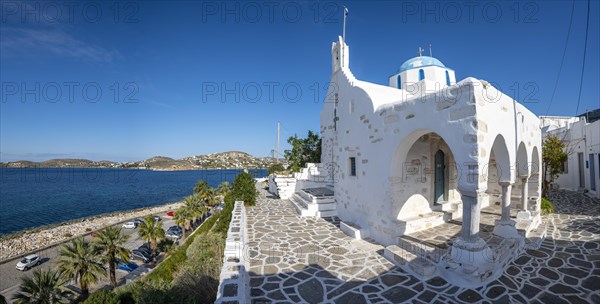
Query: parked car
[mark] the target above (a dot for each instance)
(145, 249)
(173, 235)
(175, 228)
(141, 256)
(129, 225)
(138, 221)
(29, 261)
(127, 266)
(157, 218)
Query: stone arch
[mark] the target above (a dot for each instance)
(522, 164)
(413, 176)
(497, 168)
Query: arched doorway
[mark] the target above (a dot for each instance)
(425, 177)
(440, 177)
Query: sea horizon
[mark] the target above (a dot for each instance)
(34, 198)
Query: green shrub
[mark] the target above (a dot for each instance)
(275, 168)
(165, 270)
(243, 189)
(224, 218)
(547, 206)
(103, 297)
(198, 280)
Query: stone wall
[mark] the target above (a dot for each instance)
(234, 279)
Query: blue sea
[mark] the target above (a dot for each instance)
(34, 197)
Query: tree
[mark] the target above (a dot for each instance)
(304, 150)
(80, 261)
(553, 157)
(43, 287)
(2, 299)
(181, 219)
(201, 186)
(103, 297)
(274, 168)
(223, 189)
(243, 189)
(110, 243)
(151, 231)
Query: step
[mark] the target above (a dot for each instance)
(302, 202)
(410, 262)
(422, 222)
(423, 249)
(326, 213)
(301, 210)
(354, 231)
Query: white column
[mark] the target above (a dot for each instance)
(505, 227)
(470, 252)
(470, 224)
(524, 214)
(506, 193)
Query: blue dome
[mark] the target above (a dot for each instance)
(420, 61)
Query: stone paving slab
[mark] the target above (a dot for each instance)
(309, 260)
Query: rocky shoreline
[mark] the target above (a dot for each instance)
(32, 240)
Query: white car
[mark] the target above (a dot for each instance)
(28, 262)
(129, 225)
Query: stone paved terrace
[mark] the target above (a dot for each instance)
(310, 260)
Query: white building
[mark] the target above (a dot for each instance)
(397, 159)
(582, 140)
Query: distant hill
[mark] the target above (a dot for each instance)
(224, 160)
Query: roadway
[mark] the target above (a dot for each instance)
(10, 277)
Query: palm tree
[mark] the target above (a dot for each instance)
(201, 186)
(151, 231)
(43, 287)
(80, 261)
(110, 243)
(223, 189)
(181, 219)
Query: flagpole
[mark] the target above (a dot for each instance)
(344, 32)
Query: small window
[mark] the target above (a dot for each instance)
(352, 166)
(565, 167)
(421, 74)
(447, 78)
(399, 82)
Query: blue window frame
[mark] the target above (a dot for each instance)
(421, 74)
(352, 166)
(399, 82)
(447, 78)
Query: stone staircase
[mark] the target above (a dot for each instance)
(314, 202)
(441, 214)
(285, 185)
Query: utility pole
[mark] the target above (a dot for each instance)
(278, 136)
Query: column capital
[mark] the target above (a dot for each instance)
(505, 183)
(471, 192)
(524, 178)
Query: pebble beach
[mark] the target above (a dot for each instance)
(20, 243)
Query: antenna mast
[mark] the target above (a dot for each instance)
(278, 133)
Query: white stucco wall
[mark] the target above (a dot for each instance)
(580, 137)
(378, 125)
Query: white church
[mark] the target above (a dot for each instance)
(426, 150)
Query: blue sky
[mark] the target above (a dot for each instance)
(184, 78)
